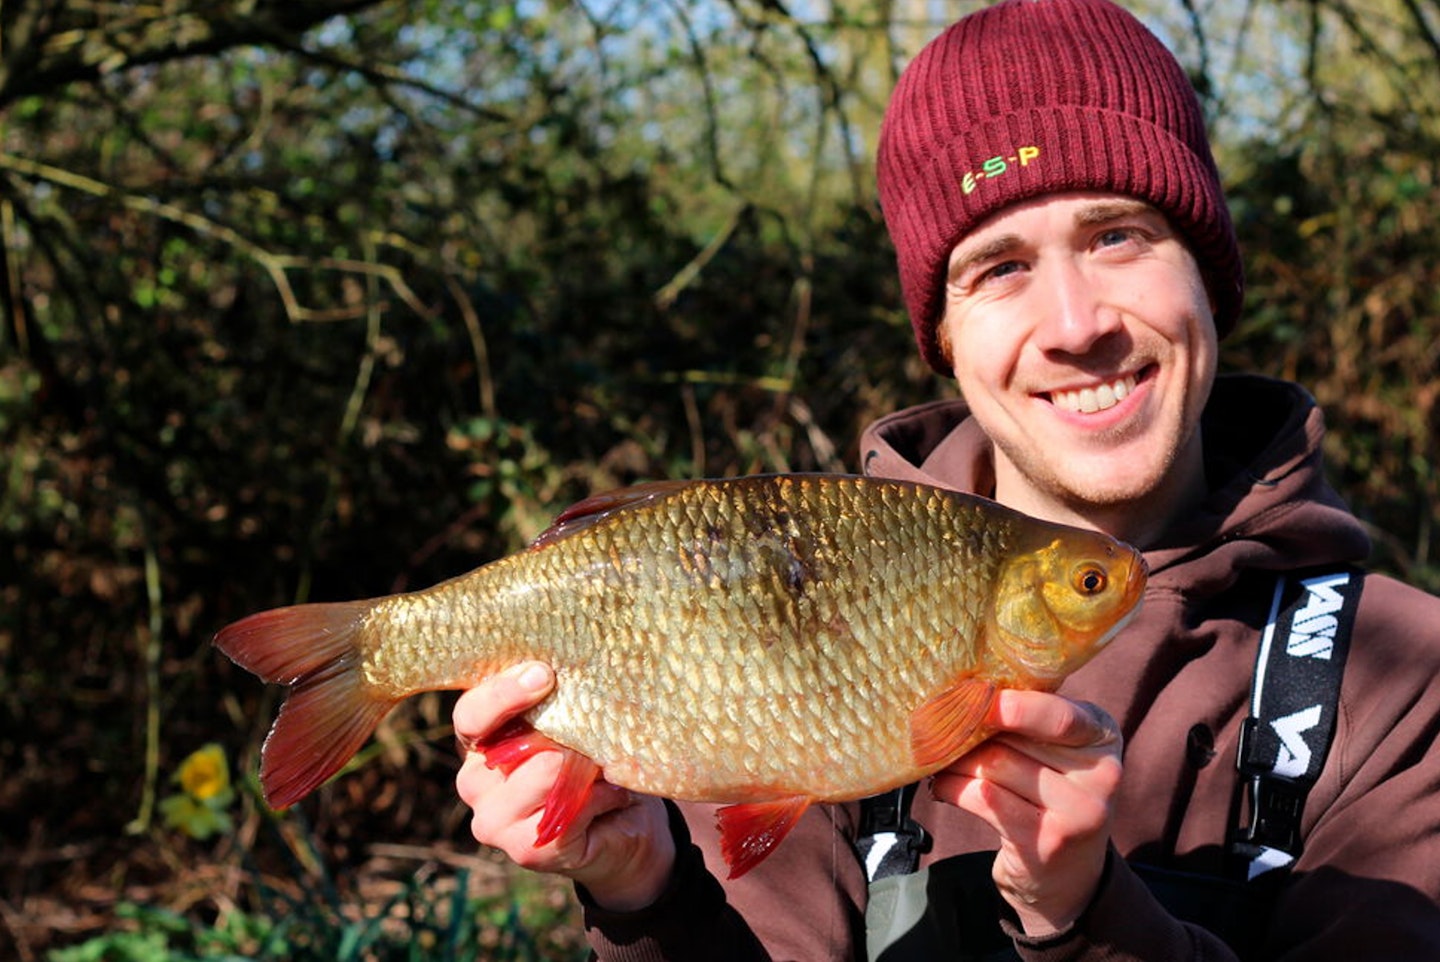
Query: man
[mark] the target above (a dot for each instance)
(1065, 252)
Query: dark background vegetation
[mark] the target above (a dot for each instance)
(321, 299)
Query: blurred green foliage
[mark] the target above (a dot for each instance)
(322, 300)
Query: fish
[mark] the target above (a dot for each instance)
(764, 642)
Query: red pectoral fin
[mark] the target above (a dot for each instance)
(751, 830)
(950, 723)
(515, 742)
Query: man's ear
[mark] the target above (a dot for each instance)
(942, 341)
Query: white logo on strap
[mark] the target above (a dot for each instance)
(1312, 632)
(1293, 758)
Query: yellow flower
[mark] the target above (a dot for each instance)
(205, 774)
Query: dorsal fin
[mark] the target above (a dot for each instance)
(598, 507)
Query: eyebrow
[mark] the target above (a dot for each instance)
(1105, 212)
(990, 249)
(1091, 215)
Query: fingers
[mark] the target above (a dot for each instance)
(484, 708)
(1048, 778)
(1051, 753)
(509, 798)
(618, 845)
(1009, 787)
(1046, 783)
(507, 809)
(1052, 719)
(628, 854)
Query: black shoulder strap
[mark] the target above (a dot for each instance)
(889, 840)
(1293, 705)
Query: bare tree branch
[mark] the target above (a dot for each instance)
(1422, 28)
(47, 45)
(277, 266)
(384, 75)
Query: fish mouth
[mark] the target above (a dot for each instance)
(1098, 397)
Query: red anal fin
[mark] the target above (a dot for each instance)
(598, 507)
(951, 722)
(329, 712)
(750, 831)
(568, 795)
(514, 743)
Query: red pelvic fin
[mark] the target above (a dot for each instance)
(515, 742)
(329, 713)
(950, 723)
(598, 507)
(750, 831)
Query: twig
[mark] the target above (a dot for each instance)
(684, 277)
(141, 822)
(697, 429)
(15, 923)
(367, 362)
(426, 853)
(483, 377)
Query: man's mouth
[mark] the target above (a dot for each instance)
(1091, 399)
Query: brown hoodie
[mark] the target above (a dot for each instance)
(1177, 679)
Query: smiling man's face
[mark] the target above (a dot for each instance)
(1082, 337)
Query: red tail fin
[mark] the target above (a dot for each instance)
(328, 713)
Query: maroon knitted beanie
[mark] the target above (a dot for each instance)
(1032, 97)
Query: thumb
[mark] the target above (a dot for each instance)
(497, 699)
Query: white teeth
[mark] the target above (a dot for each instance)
(1089, 400)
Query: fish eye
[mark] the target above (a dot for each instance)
(1089, 579)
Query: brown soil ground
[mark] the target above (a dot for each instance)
(364, 837)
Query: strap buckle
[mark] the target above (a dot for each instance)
(889, 840)
(1276, 804)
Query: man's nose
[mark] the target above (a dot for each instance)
(1075, 315)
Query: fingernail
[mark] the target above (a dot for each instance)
(533, 677)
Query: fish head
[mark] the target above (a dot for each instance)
(1061, 598)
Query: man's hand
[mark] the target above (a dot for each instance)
(619, 846)
(1047, 785)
